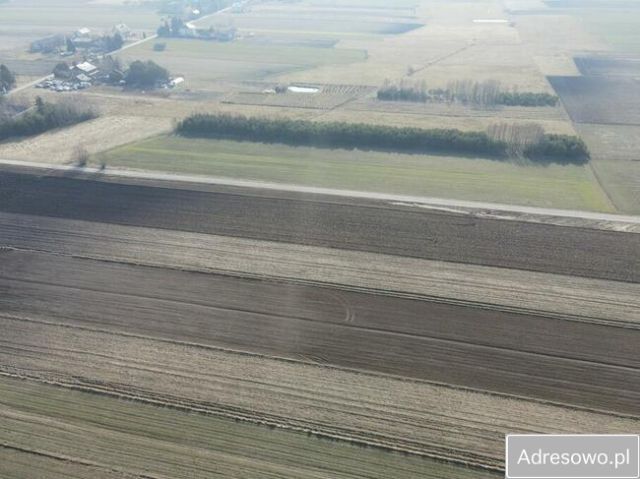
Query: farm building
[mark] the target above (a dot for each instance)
(85, 68)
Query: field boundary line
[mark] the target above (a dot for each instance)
(454, 387)
(339, 325)
(239, 274)
(336, 325)
(432, 203)
(68, 459)
(248, 417)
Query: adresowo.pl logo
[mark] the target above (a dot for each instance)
(572, 456)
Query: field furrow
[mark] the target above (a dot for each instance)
(410, 415)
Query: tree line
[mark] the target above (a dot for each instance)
(44, 116)
(145, 74)
(485, 93)
(7, 79)
(362, 136)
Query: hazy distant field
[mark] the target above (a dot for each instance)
(203, 62)
(24, 21)
(440, 176)
(618, 27)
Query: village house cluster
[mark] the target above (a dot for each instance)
(85, 40)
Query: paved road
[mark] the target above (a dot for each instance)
(346, 223)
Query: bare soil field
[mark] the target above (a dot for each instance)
(596, 99)
(352, 225)
(609, 65)
(71, 434)
(484, 287)
(446, 343)
(434, 420)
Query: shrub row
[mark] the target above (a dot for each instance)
(559, 148)
(526, 99)
(339, 135)
(44, 117)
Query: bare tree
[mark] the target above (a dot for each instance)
(80, 156)
(517, 137)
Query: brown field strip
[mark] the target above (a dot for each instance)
(496, 288)
(60, 433)
(484, 349)
(352, 225)
(434, 420)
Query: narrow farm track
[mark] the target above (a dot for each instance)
(446, 343)
(351, 224)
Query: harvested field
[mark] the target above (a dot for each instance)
(481, 286)
(353, 225)
(556, 34)
(204, 62)
(223, 309)
(621, 178)
(557, 65)
(532, 114)
(106, 132)
(411, 416)
(261, 21)
(246, 52)
(62, 433)
(437, 118)
(446, 343)
(31, 68)
(321, 101)
(618, 27)
(597, 99)
(614, 150)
